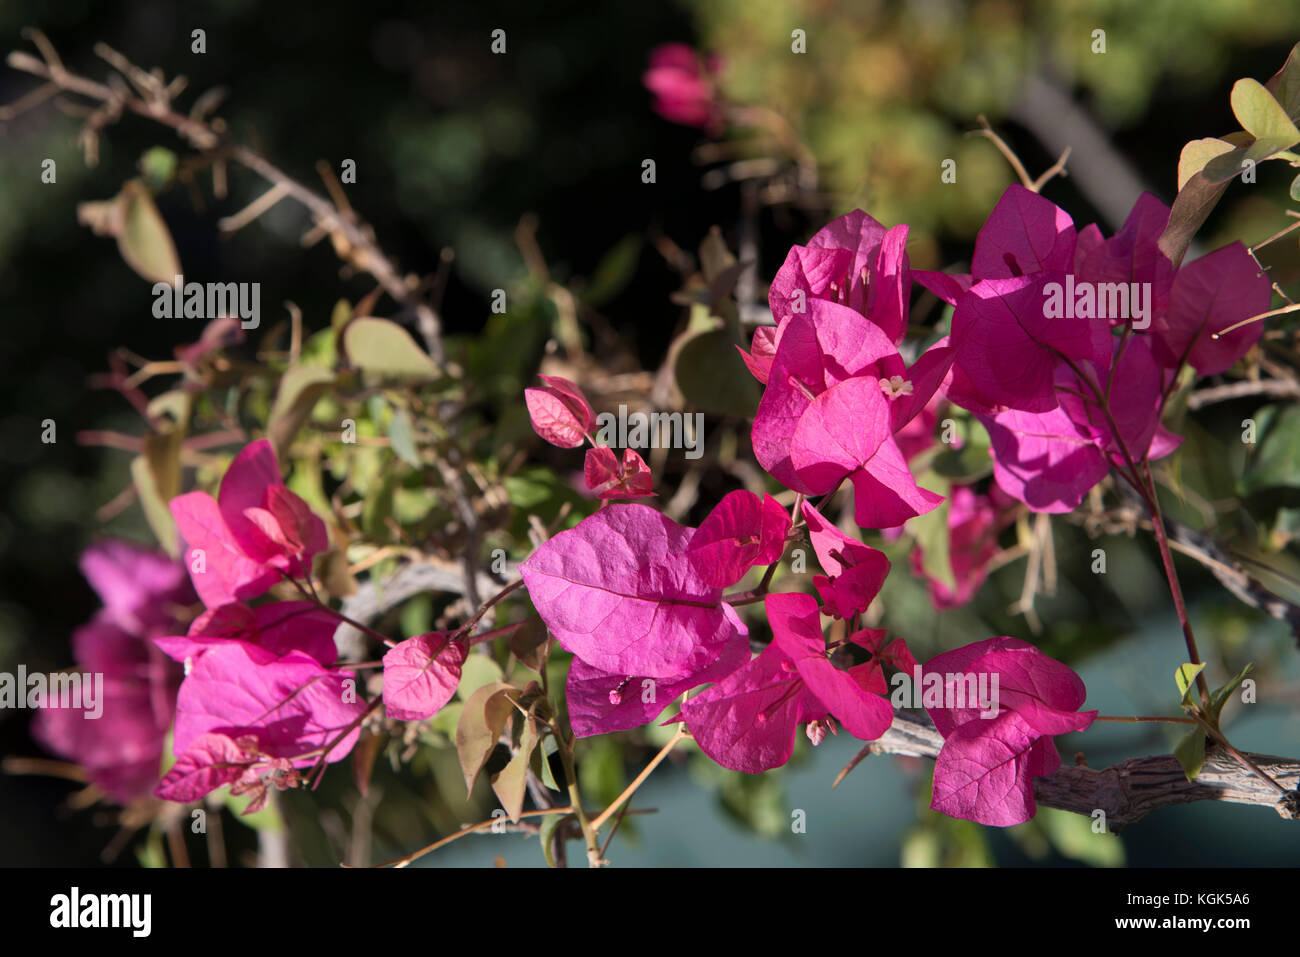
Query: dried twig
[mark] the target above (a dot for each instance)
(152, 99)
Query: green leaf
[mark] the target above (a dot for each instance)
(1196, 154)
(300, 389)
(144, 241)
(481, 725)
(158, 166)
(1190, 752)
(1073, 837)
(1295, 189)
(1260, 114)
(1285, 84)
(541, 760)
(1262, 117)
(1185, 677)
(1276, 461)
(510, 784)
(932, 537)
(969, 463)
(531, 644)
(546, 832)
(401, 436)
(712, 375)
(151, 853)
(387, 350)
(156, 474)
(1219, 696)
(1193, 204)
(477, 671)
(377, 507)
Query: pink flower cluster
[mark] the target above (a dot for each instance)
(1067, 396)
(262, 695)
(561, 414)
(1065, 389)
(1066, 385)
(684, 86)
(143, 592)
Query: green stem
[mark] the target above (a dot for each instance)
(589, 833)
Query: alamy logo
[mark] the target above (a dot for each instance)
(932, 689)
(195, 300)
(1098, 300)
(73, 910)
(652, 430)
(84, 692)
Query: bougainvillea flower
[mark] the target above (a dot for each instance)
(421, 674)
(608, 478)
(277, 627)
(1131, 255)
(122, 749)
(559, 412)
(212, 761)
(1025, 234)
(972, 544)
(1134, 384)
(253, 534)
(855, 572)
(292, 705)
(141, 588)
(601, 703)
(830, 344)
(683, 86)
(947, 286)
(846, 432)
(215, 760)
(742, 531)
(618, 591)
(854, 261)
(818, 350)
(1210, 295)
(1044, 459)
(1010, 349)
(762, 350)
(986, 767)
(871, 674)
(748, 720)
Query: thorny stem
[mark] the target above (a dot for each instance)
(1142, 717)
(1175, 589)
(359, 249)
(1145, 486)
(483, 609)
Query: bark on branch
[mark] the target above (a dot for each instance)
(1132, 789)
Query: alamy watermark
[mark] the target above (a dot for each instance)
(77, 910)
(84, 692)
(652, 430)
(1098, 300)
(933, 689)
(195, 300)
